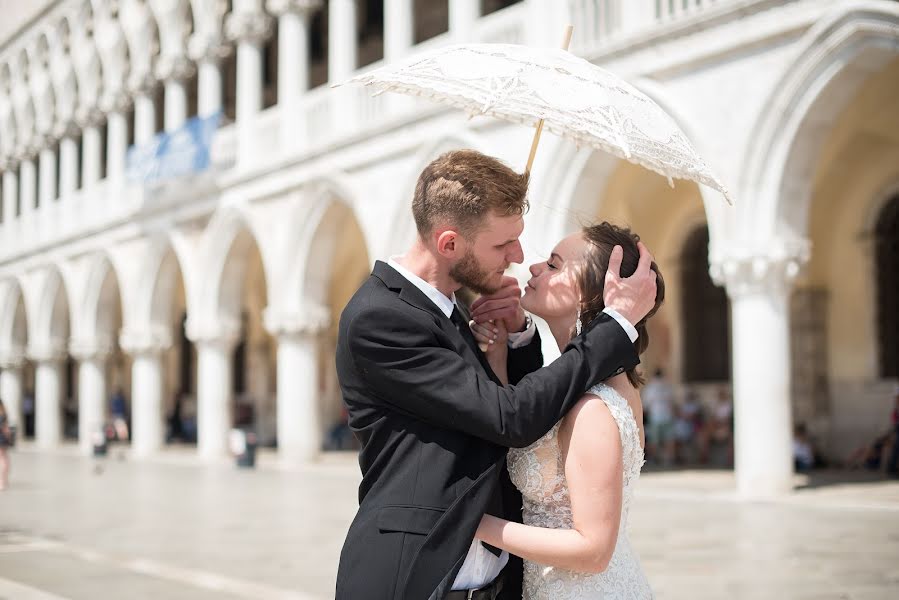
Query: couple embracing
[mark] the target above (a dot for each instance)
(484, 474)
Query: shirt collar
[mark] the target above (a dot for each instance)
(446, 305)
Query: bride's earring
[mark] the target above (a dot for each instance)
(578, 326)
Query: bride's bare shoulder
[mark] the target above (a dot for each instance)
(591, 416)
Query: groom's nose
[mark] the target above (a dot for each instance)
(515, 254)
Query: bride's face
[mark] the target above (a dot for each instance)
(552, 291)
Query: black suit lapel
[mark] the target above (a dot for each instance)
(411, 295)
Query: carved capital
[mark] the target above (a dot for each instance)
(177, 68)
(67, 129)
(300, 7)
(222, 334)
(12, 358)
(85, 349)
(208, 48)
(118, 102)
(310, 320)
(763, 271)
(253, 27)
(140, 84)
(48, 352)
(151, 340)
(88, 116)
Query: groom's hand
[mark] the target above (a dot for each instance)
(503, 305)
(632, 297)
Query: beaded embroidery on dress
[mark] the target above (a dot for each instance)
(538, 472)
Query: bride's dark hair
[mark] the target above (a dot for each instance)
(601, 239)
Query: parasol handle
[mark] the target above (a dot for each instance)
(566, 40)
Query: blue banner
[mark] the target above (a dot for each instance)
(173, 154)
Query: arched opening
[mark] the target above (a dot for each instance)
(704, 314)
(169, 313)
(243, 297)
(349, 264)
(371, 32)
(842, 315)
(17, 371)
(672, 222)
(101, 381)
(318, 47)
(53, 394)
(431, 18)
(886, 244)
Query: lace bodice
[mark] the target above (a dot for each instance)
(538, 472)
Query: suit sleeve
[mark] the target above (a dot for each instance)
(525, 359)
(404, 364)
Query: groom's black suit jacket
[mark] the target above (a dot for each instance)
(435, 424)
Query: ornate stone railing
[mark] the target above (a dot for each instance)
(310, 125)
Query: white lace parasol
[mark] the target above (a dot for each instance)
(575, 98)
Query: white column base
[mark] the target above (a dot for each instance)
(117, 146)
(299, 421)
(68, 167)
(91, 401)
(214, 399)
(175, 105)
(763, 462)
(147, 422)
(90, 164)
(144, 119)
(11, 393)
(209, 84)
(48, 410)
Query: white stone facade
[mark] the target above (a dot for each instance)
(792, 103)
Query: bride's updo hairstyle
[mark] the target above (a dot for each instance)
(601, 239)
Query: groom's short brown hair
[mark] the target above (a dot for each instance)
(464, 186)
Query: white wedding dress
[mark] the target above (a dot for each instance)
(538, 471)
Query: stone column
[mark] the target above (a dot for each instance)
(398, 28)
(47, 175)
(91, 391)
(144, 116)
(11, 389)
(342, 40)
(90, 156)
(68, 164)
(214, 393)
(147, 385)
(209, 84)
(48, 391)
(147, 419)
(249, 30)
(294, 18)
(299, 415)
(175, 73)
(27, 185)
(116, 145)
(462, 16)
(759, 287)
(10, 193)
(208, 54)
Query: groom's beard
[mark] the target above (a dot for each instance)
(468, 272)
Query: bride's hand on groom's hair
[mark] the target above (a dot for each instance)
(632, 297)
(504, 305)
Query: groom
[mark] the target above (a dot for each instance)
(433, 420)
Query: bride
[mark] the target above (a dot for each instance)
(578, 480)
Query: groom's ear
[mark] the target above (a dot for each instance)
(449, 243)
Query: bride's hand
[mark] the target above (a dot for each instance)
(491, 336)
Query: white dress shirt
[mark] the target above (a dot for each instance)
(481, 566)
